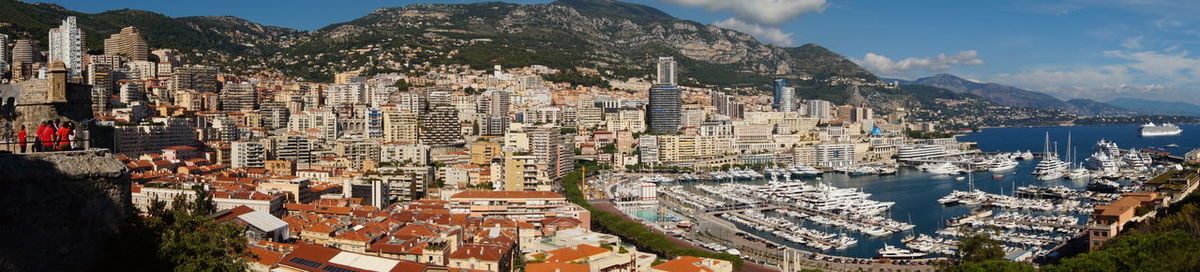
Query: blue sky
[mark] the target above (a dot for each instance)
(1098, 49)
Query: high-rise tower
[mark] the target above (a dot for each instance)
(67, 45)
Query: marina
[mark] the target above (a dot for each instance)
(864, 211)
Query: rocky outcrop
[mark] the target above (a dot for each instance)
(57, 210)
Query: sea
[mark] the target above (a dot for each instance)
(916, 193)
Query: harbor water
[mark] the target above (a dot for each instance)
(916, 193)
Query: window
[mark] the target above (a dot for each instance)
(331, 268)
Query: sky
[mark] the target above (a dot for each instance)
(1095, 49)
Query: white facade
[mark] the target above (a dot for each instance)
(67, 45)
(666, 71)
(247, 155)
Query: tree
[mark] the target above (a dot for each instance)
(182, 238)
(979, 247)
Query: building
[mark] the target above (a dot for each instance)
(524, 172)
(440, 127)
(199, 78)
(358, 150)
(129, 43)
(399, 126)
(316, 258)
(692, 264)
(666, 71)
(409, 154)
(238, 97)
(24, 54)
(664, 113)
(1192, 156)
(522, 206)
(784, 99)
(1109, 220)
(67, 44)
(294, 148)
(321, 123)
(835, 155)
(819, 109)
(152, 136)
(4, 55)
(244, 154)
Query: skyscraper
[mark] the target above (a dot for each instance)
(819, 109)
(785, 99)
(666, 71)
(3, 53)
(23, 57)
(67, 45)
(664, 112)
(128, 43)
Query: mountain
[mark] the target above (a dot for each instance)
(227, 36)
(619, 37)
(1158, 107)
(1017, 97)
(604, 38)
(1096, 108)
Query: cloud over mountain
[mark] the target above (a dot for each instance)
(772, 35)
(885, 65)
(769, 12)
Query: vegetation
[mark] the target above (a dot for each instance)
(645, 239)
(921, 134)
(182, 238)
(577, 78)
(1166, 243)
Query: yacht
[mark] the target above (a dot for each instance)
(1101, 162)
(1135, 159)
(1166, 129)
(893, 252)
(1078, 173)
(1104, 186)
(1025, 155)
(944, 168)
(1001, 164)
(1050, 168)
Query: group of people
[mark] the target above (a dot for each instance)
(50, 136)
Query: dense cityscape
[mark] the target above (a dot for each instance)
(168, 159)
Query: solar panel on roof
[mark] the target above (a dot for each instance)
(331, 268)
(305, 262)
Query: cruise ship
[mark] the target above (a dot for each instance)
(1166, 129)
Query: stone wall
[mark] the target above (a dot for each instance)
(58, 209)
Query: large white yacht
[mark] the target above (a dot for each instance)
(892, 252)
(1002, 164)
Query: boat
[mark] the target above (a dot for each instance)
(997, 176)
(1104, 186)
(892, 252)
(1078, 173)
(1166, 129)
(944, 168)
(1025, 155)
(1050, 168)
(1171, 146)
(1002, 164)
(1101, 162)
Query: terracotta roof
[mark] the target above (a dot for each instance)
(234, 213)
(556, 267)
(264, 256)
(492, 253)
(506, 194)
(571, 254)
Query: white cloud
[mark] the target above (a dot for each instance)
(885, 65)
(1178, 68)
(1133, 42)
(770, 35)
(770, 12)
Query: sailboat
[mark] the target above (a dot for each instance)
(1076, 172)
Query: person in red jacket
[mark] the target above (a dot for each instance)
(64, 136)
(47, 137)
(21, 138)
